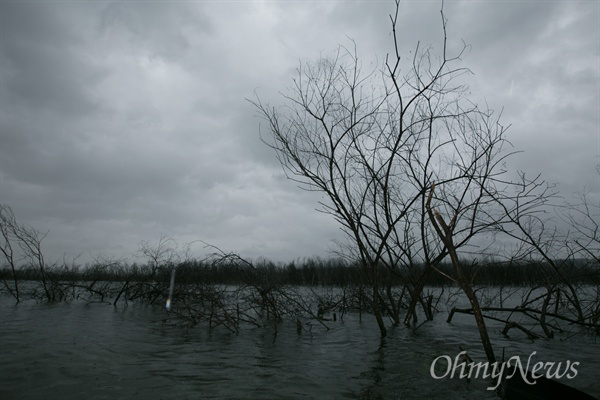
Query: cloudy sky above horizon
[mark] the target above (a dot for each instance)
(125, 121)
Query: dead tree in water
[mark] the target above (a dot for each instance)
(7, 227)
(445, 234)
(374, 142)
(29, 241)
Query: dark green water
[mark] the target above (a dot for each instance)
(96, 351)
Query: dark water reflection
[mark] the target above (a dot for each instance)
(96, 351)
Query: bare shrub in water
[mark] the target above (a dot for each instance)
(375, 142)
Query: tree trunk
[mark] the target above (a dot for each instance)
(483, 333)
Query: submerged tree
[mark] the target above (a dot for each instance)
(22, 243)
(375, 142)
(8, 226)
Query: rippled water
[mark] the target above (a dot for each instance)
(97, 351)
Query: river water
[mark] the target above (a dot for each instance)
(97, 351)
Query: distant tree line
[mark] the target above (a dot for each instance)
(310, 272)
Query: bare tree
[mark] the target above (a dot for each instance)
(160, 255)
(8, 225)
(375, 142)
(584, 217)
(29, 241)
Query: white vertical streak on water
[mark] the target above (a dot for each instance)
(168, 305)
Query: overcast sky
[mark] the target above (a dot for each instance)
(125, 121)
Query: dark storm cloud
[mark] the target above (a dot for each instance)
(122, 121)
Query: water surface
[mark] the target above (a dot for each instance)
(97, 351)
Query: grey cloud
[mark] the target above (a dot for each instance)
(121, 121)
(162, 27)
